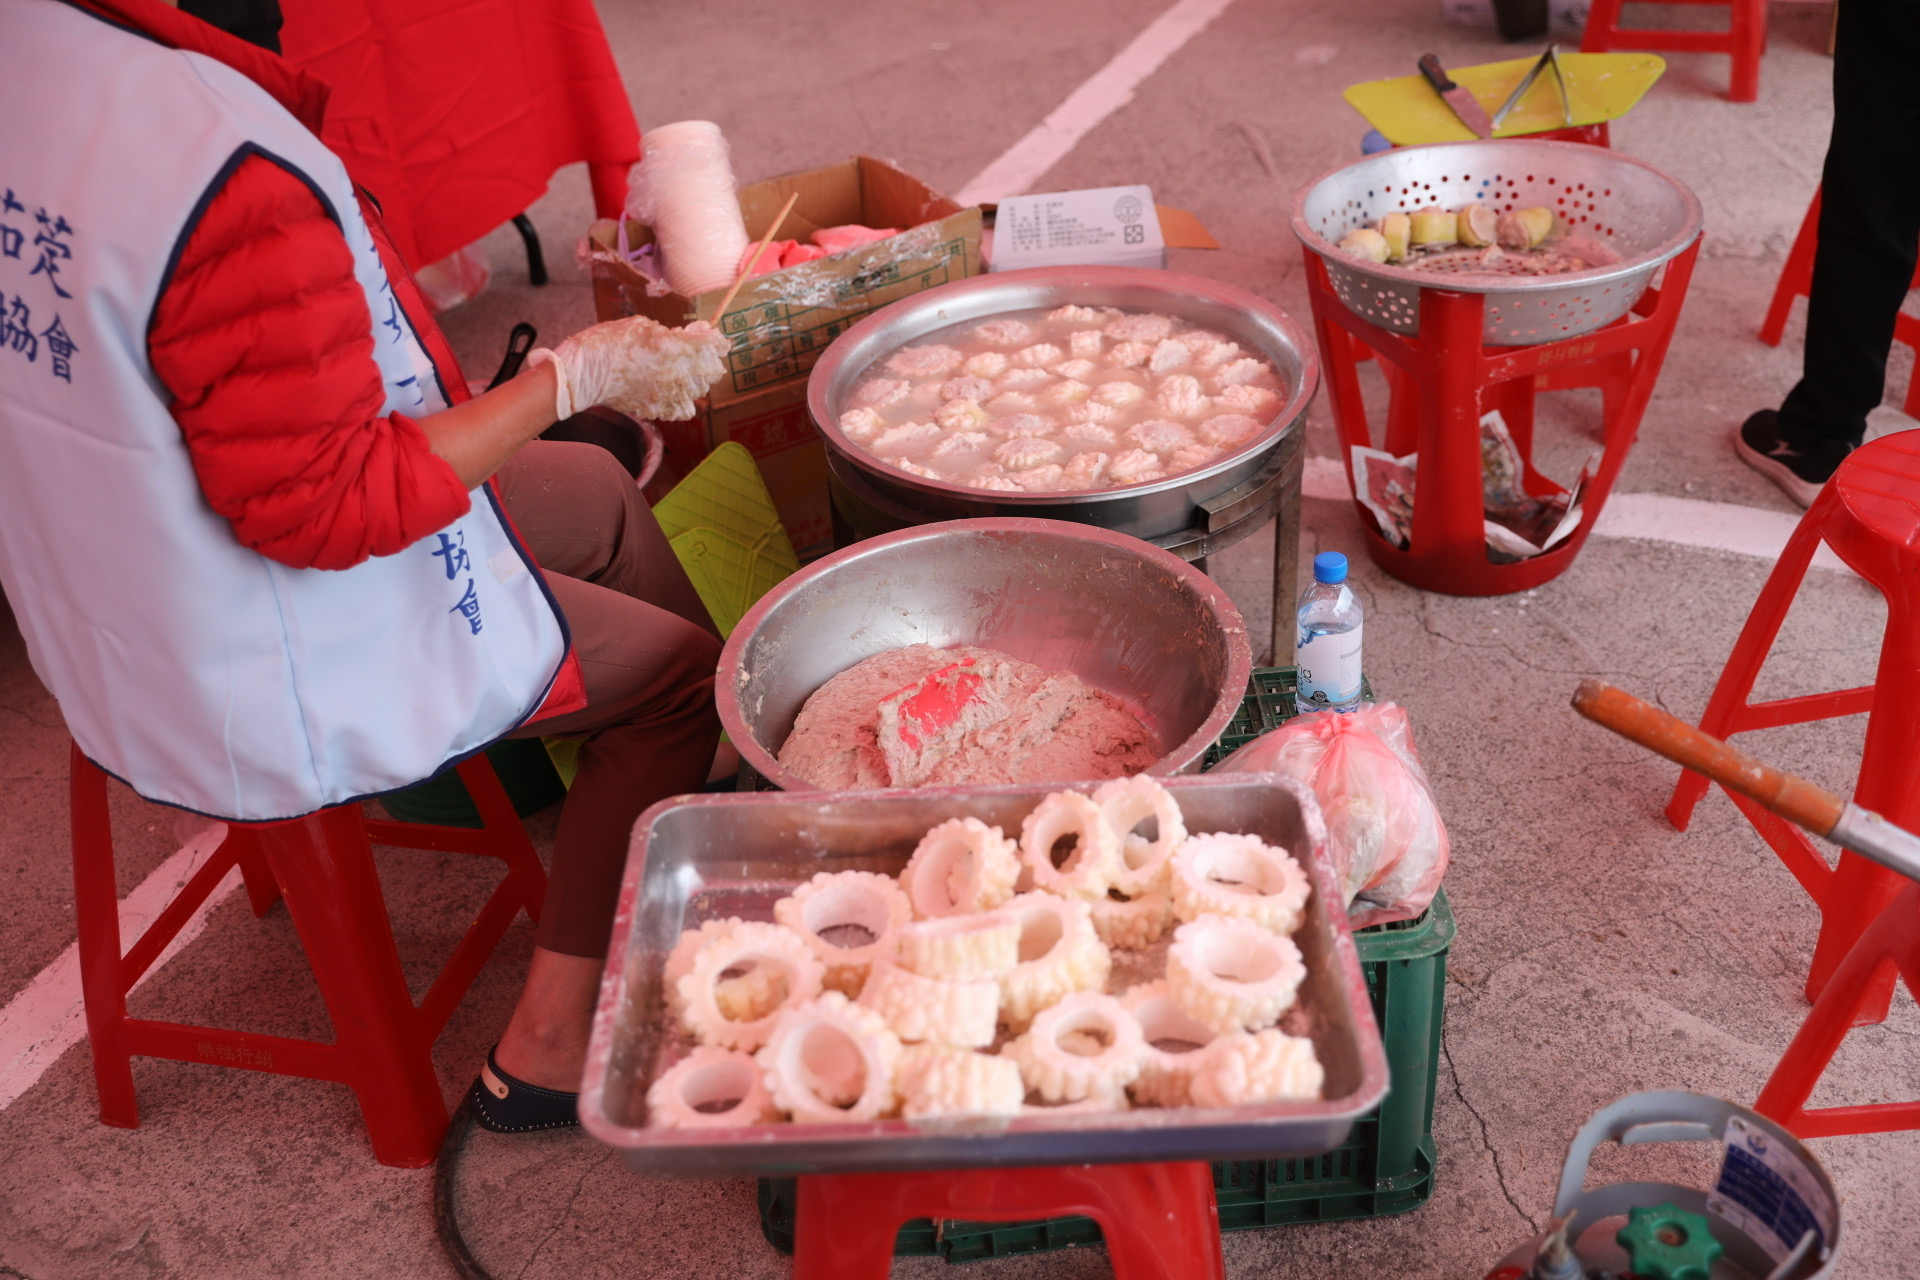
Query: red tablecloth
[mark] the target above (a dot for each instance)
(456, 113)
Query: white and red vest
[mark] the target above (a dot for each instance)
(202, 673)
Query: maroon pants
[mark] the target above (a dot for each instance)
(647, 650)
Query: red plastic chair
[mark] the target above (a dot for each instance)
(1443, 380)
(1890, 945)
(322, 865)
(1869, 513)
(1745, 39)
(1160, 1221)
(1796, 281)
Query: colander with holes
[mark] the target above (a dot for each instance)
(1638, 212)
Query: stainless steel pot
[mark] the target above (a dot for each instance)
(1155, 511)
(1125, 617)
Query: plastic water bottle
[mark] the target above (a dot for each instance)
(1328, 650)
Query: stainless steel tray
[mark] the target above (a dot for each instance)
(699, 857)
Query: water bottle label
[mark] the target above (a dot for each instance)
(1329, 666)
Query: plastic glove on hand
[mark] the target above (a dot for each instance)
(636, 365)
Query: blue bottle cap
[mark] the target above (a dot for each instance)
(1329, 566)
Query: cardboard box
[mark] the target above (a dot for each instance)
(781, 322)
(775, 427)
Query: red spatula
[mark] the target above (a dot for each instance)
(934, 702)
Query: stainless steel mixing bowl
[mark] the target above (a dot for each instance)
(1125, 617)
(1156, 510)
(1642, 214)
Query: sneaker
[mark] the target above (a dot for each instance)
(1800, 472)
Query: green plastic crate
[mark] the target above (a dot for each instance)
(1268, 705)
(1385, 1166)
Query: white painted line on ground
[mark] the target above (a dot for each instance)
(1655, 517)
(48, 1017)
(1109, 89)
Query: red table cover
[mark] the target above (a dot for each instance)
(456, 113)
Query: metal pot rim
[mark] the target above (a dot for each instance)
(828, 371)
(726, 693)
(1640, 264)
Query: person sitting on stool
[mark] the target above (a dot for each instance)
(263, 548)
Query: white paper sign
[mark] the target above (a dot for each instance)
(1102, 226)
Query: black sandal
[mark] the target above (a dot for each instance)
(503, 1104)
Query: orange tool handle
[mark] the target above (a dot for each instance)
(1794, 799)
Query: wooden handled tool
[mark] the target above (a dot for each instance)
(754, 261)
(1793, 798)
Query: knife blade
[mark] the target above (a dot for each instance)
(1464, 104)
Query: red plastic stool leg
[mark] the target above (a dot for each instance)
(1748, 32)
(325, 865)
(1723, 714)
(1890, 946)
(1160, 1220)
(96, 905)
(1796, 277)
(1603, 19)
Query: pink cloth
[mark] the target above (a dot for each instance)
(840, 239)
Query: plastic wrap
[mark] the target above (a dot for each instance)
(683, 188)
(1384, 833)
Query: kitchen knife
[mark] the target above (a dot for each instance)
(1464, 104)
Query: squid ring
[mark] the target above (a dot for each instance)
(1165, 1075)
(962, 1014)
(1133, 923)
(1085, 1046)
(957, 1082)
(1236, 875)
(1128, 802)
(962, 865)
(1089, 866)
(742, 997)
(829, 1061)
(1267, 1067)
(1230, 974)
(780, 950)
(838, 900)
(1059, 954)
(684, 1095)
(983, 944)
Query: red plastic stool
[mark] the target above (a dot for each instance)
(1745, 38)
(1160, 1220)
(1890, 945)
(1443, 380)
(1796, 281)
(323, 865)
(1869, 513)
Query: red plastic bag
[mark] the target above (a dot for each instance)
(1384, 833)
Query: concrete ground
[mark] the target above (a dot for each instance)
(1599, 952)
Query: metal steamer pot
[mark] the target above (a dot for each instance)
(1192, 515)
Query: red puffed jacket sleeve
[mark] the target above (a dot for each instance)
(264, 342)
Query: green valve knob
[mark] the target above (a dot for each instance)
(1668, 1243)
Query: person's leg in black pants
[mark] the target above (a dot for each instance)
(1869, 236)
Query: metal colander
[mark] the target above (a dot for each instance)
(1639, 212)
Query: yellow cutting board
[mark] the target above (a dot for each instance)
(1600, 86)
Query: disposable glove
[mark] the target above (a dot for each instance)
(636, 365)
